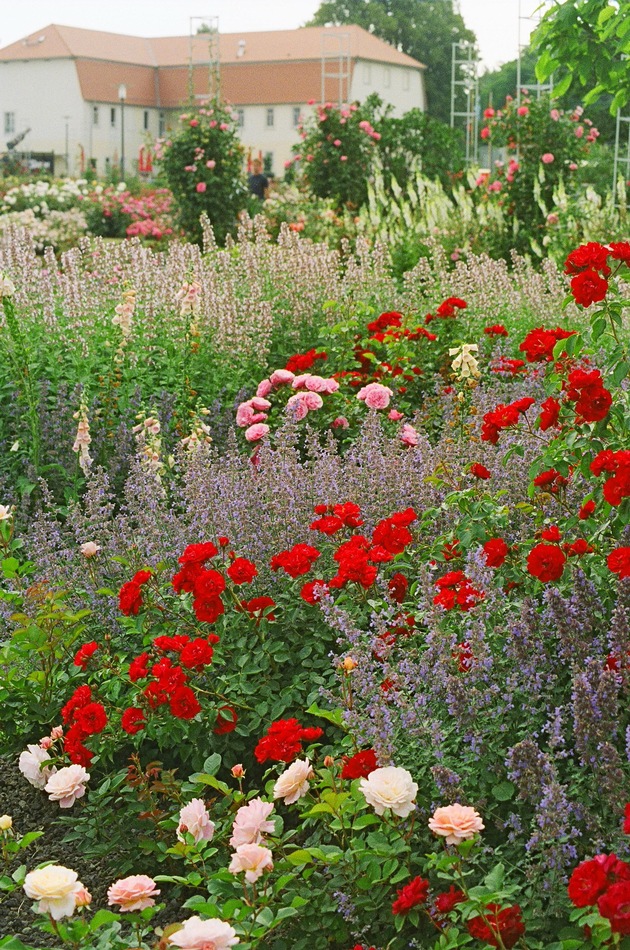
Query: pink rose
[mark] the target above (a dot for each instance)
(552, 218)
(299, 382)
(200, 187)
(340, 423)
(194, 123)
(210, 163)
(256, 432)
(522, 110)
(554, 114)
(195, 820)
(312, 400)
(409, 435)
(297, 406)
(89, 549)
(496, 186)
(253, 859)
(198, 934)
(547, 158)
(485, 133)
(394, 415)
(259, 404)
(376, 395)
(66, 785)
(293, 783)
(316, 384)
(280, 377)
(573, 167)
(456, 823)
(133, 893)
(343, 158)
(579, 131)
(245, 415)
(251, 823)
(264, 388)
(337, 143)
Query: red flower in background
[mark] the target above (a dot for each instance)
(80, 698)
(242, 571)
(283, 741)
(626, 823)
(496, 330)
(507, 923)
(614, 905)
(198, 553)
(496, 551)
(619, 562)
(617, 465)
(398, 585)
(303, 361)
(132, 720)
(479, 471)
(586, 390)
(84, 653)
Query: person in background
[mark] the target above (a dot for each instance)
(258, 183)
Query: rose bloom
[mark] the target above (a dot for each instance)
(90, 548)
(29, 765)
(293, 783)
(455, 823)
(390, 787)
(66, 785)
(256, 432)
(198, 934)
(6, 822)
(376, 396)
(195, 820)
(133, 893)
(251, 822)
(547, 158)
(55, 888)
(253, 859)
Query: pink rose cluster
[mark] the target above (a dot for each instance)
(375, 395)
(307, 398)
(251, 855)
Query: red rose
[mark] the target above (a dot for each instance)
(394, 538)
(550, 411)
(132, 720)
(588, 287)
(259, 608)
(619, 562)
(614, 905)
(409, 896)
(552, 533)
(176, 643)
(183, 703)
(398, 586)
(242, 571)
(359, 765)
(91, 718)
(226, 720)
(496, 551)
(198, 553)
(480, 471)
(328, 524)
(626, 823)
(196, 654)
(299, 560)
(349, 513)
(311, 591)
(586, 510)
(138, 668)
(507, 923)
(141, 577)
(80, 698)
(496, 330)
(186, 579)
(591, 878)
(208, 610)
(445, 902)
(84, 653)
(592, 255)
(539, 344)
(546, 562)
(130, 598)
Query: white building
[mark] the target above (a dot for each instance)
(65, 85)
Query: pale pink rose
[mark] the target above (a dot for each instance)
(573, 167)
(293, 783)
(45, 743)
(331, 386)
(409, 435)
(198, 934)
(259, 404)
(456, 823)
(316, 384)
(56, 732)
(390, 787)
(312, 400)
(264, 388)
(30, 763)
(66, 785)
(55, 888)
(376, 395)
(253, 859)
(280, 377)
(250, 823)
(554, 114)
(297, 406)
(394, 415)
(340, 423)
(547, 158)
(89, 549)
(299, 382)
(256, 432)
(133, 893)
(552, 218)
(210, 163)
(82, 897)
(200, 187)
(337, 143)
(237, 772)
(195, 820)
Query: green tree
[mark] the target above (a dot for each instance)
(424, 29)
(586, 43)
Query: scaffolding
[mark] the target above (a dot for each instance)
(203, 50)
(621, 159)
(335, 72)
(528, 23)
(465, 95)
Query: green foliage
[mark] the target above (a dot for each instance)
(586, 43)
(424, 29)
(203, 165)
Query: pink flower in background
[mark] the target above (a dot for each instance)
(394, 415)
(552, 218)
(579, 131)
(337, 143)
(340, 423)
(573, 167)
(547, 158)
(264, 388)
(280, 377)
(194, 123)
(210, 163)
(495, 186)
(316, 384)
(554, 114)
(485, 133)
(409, 435)
(200, 187)
(299, 382)
(312, 400)
(256, 432)
(488, 113)
(133, 893)
(195, 820)
(343, 158)
(375, 395)
(522, 110)
(251, 823)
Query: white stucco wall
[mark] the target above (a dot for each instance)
(103, 139)
(401, 86)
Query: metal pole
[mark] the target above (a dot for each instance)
(616, 157)
(122, 139)
(67, 153)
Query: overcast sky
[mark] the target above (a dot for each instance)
(496, 22)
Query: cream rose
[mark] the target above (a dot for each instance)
(90, 548)
(6, 822)
(390, 787)
(198, 934)
(293, 783)
(66, 785)
(30, 763)
(55, 888)
(455, 823)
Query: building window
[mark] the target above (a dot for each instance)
(406, 80)
(387, 77)
(297, 116)
(367, 73)
(94, 115)
(240, 118)
(145, 120)
(161, 124)
(9, 122)
(112, 118)
(268, 163)
(270, 118)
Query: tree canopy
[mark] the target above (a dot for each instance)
(424, 29)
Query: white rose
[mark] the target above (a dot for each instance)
(90, 548)
(390, 787)
(29, 765)
(55, 887)
(6, 822)
(5, 512)
(293, 783)
(66, 785)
